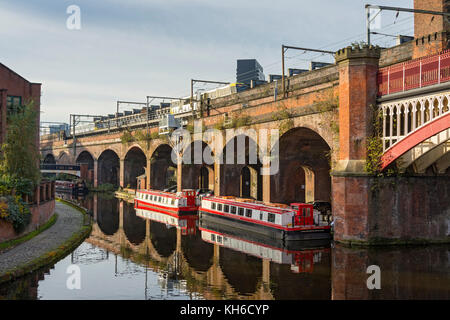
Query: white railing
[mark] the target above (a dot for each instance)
(404, 117)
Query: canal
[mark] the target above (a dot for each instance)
(145, 255)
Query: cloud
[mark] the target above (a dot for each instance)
(129, 49)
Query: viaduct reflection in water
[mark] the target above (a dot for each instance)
(210, 269)
(233, 266)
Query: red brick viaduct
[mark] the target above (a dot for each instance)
(325, 122)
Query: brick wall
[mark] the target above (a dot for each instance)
(12, 84)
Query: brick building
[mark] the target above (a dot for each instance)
(15, 91)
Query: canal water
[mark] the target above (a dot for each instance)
(145, 255)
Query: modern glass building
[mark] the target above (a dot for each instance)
(248, 70)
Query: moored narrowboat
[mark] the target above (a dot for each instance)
(179, 203)
(299, 221)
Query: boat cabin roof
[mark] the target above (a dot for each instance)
(250, 205)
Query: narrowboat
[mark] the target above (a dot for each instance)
(301, 259)
(299, 221)
(179, 203)
(186, 223)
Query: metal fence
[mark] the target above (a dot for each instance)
(414, 74)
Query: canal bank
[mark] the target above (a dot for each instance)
(48, 247)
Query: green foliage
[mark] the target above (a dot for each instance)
(375, 145)
(105, 187)
(154, 135)
(126, 137)
(284, 117)
(19, 157)
(14, 210)
(219, 125)
(142, 135)
(239, 120)
(12, 185)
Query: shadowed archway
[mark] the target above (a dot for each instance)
(135, 163)
(304, 168)
(108, 168)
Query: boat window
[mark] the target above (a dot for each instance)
(248, 213)
(241, 211)
(159, 199)
(226, 208)
(219, 207)
(213, 237)
(173, 201)
(271, 217)
(213, 205)
(219, 239)
(233, 210)
(260, 216)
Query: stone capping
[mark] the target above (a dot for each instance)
(350, 52)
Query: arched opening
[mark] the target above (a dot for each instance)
(206, 179)
(197, 167)
(63, 158)
(240, 174)
(135, 163)
(163, 170)
(86, 161)
(49, 159)
(304, 168)
(108, 168)
(249, 182)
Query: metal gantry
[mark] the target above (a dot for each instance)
(369, 19)
(284, 48)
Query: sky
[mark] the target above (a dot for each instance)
(126, 50)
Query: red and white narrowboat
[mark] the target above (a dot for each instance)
(186, 223)
(179, 203)
(299, 221)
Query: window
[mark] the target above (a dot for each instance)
(173, 201)
(271, 217)
(159, 199)
(219, 239)
(13, 104)
(260, 216)
(213, 237)
(226, 208)
(213, 205)
(248, 213)
(241, 211)
(219, 207)
(233, 210)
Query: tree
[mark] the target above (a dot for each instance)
(19, 156)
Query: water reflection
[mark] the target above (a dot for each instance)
(148, 255)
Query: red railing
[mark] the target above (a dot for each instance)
(413, 74)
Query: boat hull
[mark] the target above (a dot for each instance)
(265, 231)
(181, 211)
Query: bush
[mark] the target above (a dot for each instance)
(126, 137)
(14, 210)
